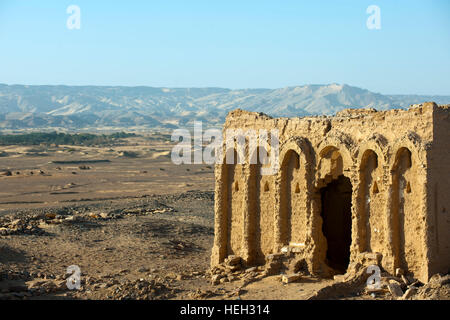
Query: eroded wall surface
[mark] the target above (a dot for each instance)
(438, 184)
(384, 166)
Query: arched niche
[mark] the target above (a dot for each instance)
(261, 191)
(232, 201)
(406, 213)
(293, 199)
(371, 203)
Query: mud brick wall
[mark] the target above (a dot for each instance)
(360, 181)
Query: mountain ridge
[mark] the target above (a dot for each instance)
(84, 107)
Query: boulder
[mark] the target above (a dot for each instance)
(395, 289)
(289, 278)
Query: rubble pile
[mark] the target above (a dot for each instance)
(141, 289)
(232, 269)
(36, 223)
(289, 268)
(438, 288)
(19, 226)
(23, 285)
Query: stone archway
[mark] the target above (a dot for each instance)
(336, 205)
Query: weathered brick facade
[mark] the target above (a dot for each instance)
(361, 181)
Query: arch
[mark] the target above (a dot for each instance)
(406, 211)
(341, 142)
(370, 203)
(232, 202)
(260, 212)
(333, 199)
(413, 144)
(293, 205)
(378, 144)
(302, 147)
(417, 150)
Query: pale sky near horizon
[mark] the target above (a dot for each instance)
(231, 44)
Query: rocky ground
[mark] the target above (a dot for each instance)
(138, 249)
(157, 247)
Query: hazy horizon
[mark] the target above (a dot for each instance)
(225, 88)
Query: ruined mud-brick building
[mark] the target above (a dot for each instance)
(361, 181)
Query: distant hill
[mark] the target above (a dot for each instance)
(96, 107)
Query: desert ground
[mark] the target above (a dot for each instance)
(136, 225)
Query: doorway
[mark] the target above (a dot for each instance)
(337, 222)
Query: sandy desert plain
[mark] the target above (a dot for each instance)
(137, 226)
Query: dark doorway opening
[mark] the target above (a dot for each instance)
(337, 222)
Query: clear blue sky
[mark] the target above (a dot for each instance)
(233, 44)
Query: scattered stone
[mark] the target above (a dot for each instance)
(437, 288)
(299, 265)
(141, 289)
(50, 215)
(104, 215)
(180, 277)
(375, 290)
(289, 278)
(200, 294)
(439, 280)
(339, 277)
(273, 264)
(395, 289)
(233, 260)
(409, 293)
(231, 278)
(215, 279)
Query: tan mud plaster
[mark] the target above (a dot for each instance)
(360, 181)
